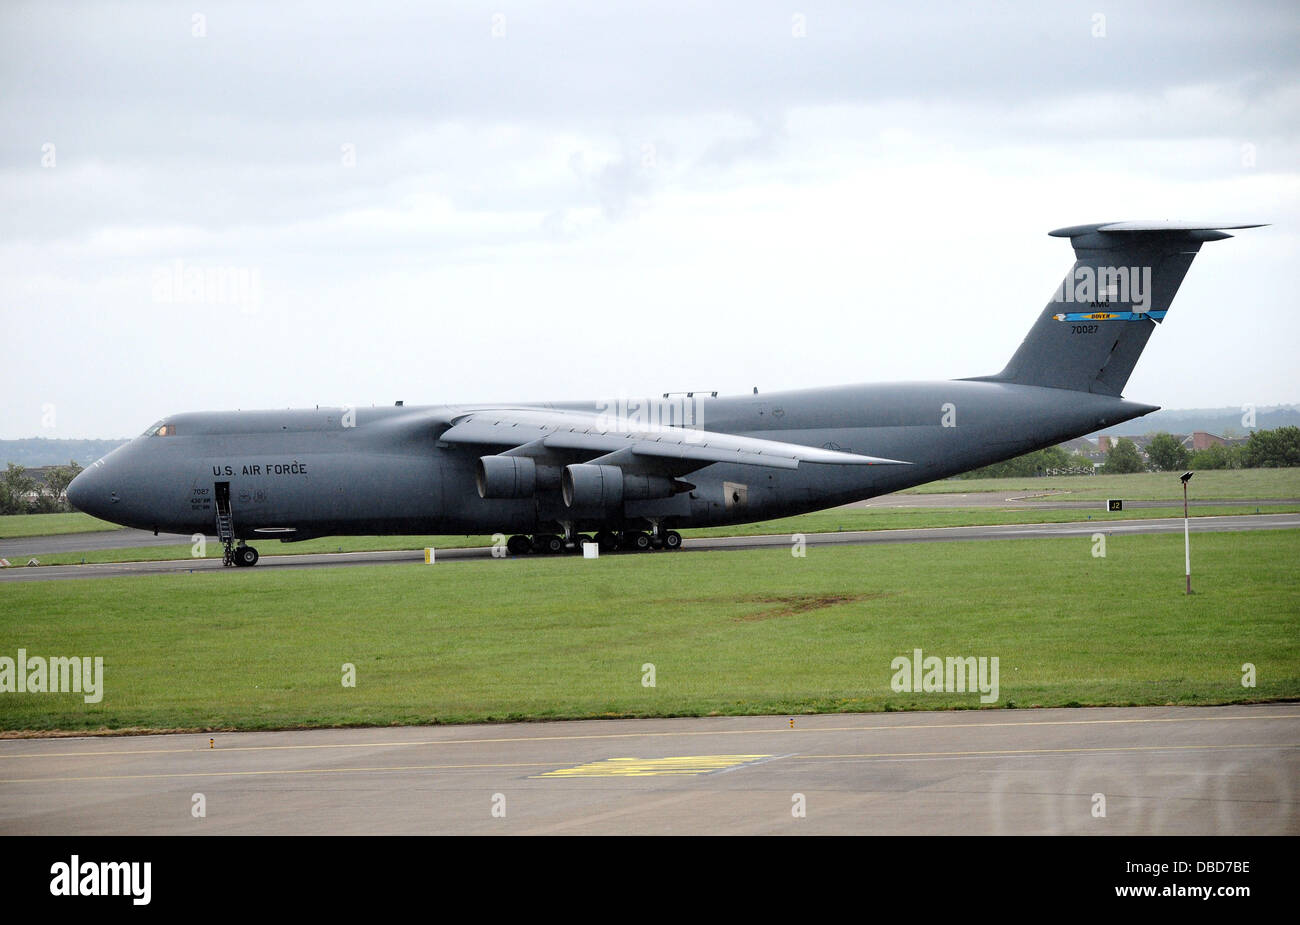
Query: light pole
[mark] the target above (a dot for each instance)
(1187, 535)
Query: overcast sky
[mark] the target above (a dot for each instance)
(458, 202)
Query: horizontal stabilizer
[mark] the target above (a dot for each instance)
(1200, 231)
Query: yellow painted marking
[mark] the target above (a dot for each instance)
(652, 767)
(645, 735)
(1048, 751)
(629, 769)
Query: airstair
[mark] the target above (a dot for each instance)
(225, 525)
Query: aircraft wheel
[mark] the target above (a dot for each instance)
(579, 540)
(672, 539)
(548, 543)
(608, 542)
(246, 556)
(656, 542)
(636, 540)
(519, 545)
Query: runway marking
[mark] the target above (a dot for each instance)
(1049, 751)
(781, 730)
(653, 767)
(750, 764)
(184, 774)
(631, 767)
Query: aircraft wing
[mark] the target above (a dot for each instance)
(534, 432)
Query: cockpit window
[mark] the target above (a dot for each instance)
(161, 430)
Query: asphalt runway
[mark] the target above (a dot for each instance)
(20, 549)
(23, 547)
(698, 544)
(1150, 770)
(1045, 501)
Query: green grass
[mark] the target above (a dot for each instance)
(264, 547)
(15, 525)
(1140, 486)
(747, 632)
(841, 519)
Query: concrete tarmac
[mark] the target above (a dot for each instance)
(698, 544)
(1142, 771)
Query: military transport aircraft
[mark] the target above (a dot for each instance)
(633, 473)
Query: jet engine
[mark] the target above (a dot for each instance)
(593, 486)
(506, 477)
(514, 477)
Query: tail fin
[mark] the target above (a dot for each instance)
(1125, 275)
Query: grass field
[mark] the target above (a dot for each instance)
(821, 522)
(15, 525)
(727, 632)
(1140, 486)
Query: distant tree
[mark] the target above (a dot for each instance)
(1272, 449)
(1053, 457)
(1166, 454)
(15, 486)
(55, 490)
(1216, 457)
(1123, 456)
(1078, 461)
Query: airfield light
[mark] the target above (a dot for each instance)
(1187, 535)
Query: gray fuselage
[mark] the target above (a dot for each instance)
(297, 474)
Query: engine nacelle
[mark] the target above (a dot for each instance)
(588, 486)
(643, 487)
(506, 477)
(594, 486)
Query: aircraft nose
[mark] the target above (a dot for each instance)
(88, 493)
(77, 492)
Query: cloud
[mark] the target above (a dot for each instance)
(682, 192)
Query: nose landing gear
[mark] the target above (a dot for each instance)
(241, 554)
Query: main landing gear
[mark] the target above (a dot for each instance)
(607, 540)
(241, 555)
